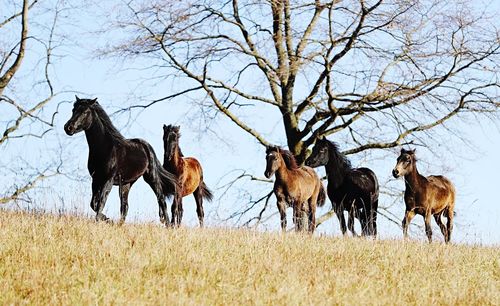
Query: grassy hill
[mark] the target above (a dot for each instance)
(66, 260)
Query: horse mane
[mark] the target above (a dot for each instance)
(179, 149)
(107, 124)
(338, 165)
(290, 161)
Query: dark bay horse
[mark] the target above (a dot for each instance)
(114, 160)
(354, 190)
(427, 196)
(189, 173)
(299, 187)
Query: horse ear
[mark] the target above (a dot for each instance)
(412, 152)
(165, 127)
(270, 148)
(77, 99)
(403, 150)
(94, 101)
(177, 128)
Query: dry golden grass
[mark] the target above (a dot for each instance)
(66, 260)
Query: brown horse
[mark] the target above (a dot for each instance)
(189, 173)
(299, 187)
(427, 196)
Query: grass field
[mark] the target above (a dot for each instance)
(68, 260)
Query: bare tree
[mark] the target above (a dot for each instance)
(22, 105)
(373, 74)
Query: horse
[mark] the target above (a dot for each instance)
(427, 196)
(189, 173)
(114, 160)
(354, 190)
(294, 186)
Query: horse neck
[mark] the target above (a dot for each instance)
(336, 173)
(413, 179)
(176, 161)
(282, 173)
(98, 139)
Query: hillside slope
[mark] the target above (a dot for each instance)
(65, 260)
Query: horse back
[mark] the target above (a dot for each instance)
(442, 189)
(359, 184)
(310, 176)
(301, 185)
(364, 180)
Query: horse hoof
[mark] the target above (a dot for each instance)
(101, 217)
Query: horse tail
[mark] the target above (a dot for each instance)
(321, 195)
(206, 193)
(168, 180)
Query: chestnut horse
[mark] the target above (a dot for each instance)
(189, 173)
(114, 160)
(299, 187)
(427, 196)
(354, 190)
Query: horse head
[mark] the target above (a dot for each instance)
(273, 160)
(82, 117)
(405, 163)
(319, 155)
(171, 135)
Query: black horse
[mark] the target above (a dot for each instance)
(355, 190)
(114, 160)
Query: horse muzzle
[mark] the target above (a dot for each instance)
(268, 174)
(311, 163)
(395, 173)
(69, 129)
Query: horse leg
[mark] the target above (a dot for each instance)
(173, 210)
(176, 210)
(304, 216)
(439, 222)
(180, 211)
(96, 194)
(124, 190)
(155, 184)
(339, 211)
(409, 214)
(282, 210)
(428, 229)
(367, 217)
(297, 217)
(198, 197)
(312, 215)
(102, 196)
(373, 218)
(449, 224)
(350, 221)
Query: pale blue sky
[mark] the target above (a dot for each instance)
(474, 172)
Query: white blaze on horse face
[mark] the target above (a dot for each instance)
(402, 167)
(271, 164)
(78, 122)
